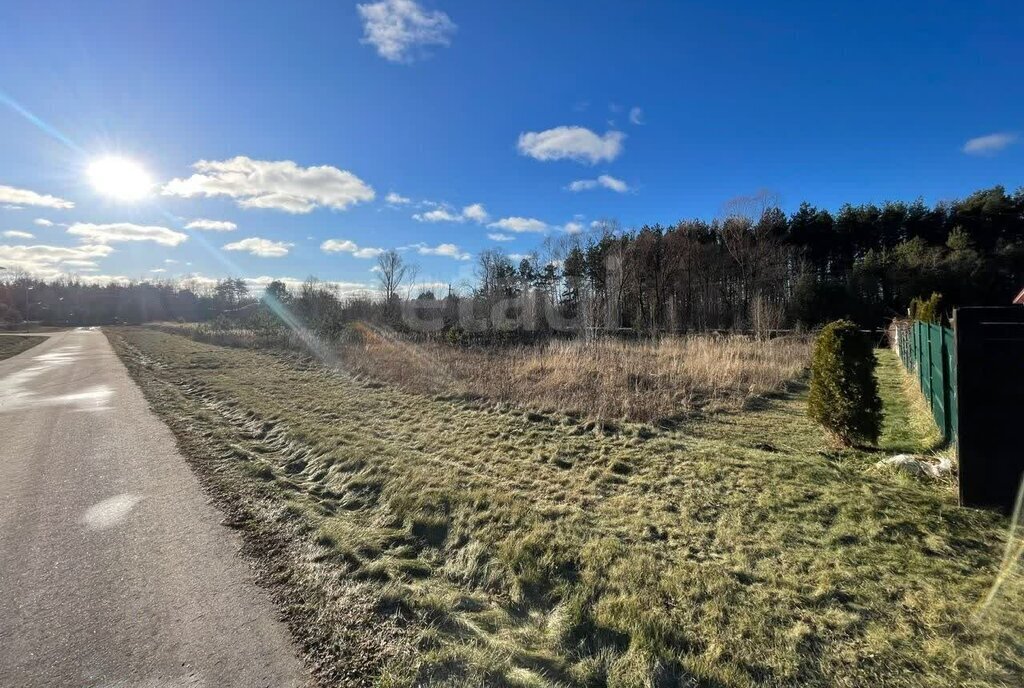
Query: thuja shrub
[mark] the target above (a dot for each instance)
(927, 310)
(844, 393)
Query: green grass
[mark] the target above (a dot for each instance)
(14, 344)
(457, 543)
(908, 426)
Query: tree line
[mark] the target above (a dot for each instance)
(759, 269)
(71, 301)
(755, 268)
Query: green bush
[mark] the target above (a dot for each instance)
(844, 393)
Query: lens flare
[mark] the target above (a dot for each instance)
(119, 178)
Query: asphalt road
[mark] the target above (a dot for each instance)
(114, 569)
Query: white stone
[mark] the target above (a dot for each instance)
(919, 466)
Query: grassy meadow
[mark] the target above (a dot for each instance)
(488, 528)
(606, 380)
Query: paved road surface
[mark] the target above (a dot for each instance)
(114, 570)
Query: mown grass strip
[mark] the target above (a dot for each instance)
(908, 426)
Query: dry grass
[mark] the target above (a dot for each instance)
(644, 381)
(515, 548)
(14, 344)
(606, 379)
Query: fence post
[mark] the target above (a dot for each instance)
(936, 333)
(928, 368)
(931, 372)
(954, 400)
(947, 426)
(922, 359)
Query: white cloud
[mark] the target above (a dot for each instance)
(293, 284)
(257, 284)
(126, 231)
(498, 236)
(610, 182)
(346, 246)
(448, 250)
(439, 215)
(100, 279)
(212, 225)
(519, 225)
(338, 246)
(475, 212)
(571, 143)
(158, 270)
(397, 199)
(990, 144)
(22, 197)
(605, 180)
(15, 234)
(197, 282)
(572, 228)
(170, 261)
(439, 288)
(42, 222)
(50, 261)
(400, 29)
(264, 248)
(281, 185)
(636, 116)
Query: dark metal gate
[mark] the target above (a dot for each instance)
(990, 404)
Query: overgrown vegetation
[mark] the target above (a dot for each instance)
(14, 344)
(453, 542)
(844, 392)
(607, 379)
(927, 310)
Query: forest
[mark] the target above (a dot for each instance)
(754, 269)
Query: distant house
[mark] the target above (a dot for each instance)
(1020, 298)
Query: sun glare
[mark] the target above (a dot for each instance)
(119, 178)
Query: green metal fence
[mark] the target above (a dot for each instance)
(928, 351)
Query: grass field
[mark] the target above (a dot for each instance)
(14, 344)
(606, 380)
(424, 540)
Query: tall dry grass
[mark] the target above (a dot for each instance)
(604, 379)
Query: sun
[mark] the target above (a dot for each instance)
(119, 178)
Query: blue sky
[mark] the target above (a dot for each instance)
(311, 114)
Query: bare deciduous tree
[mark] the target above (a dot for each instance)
(391, 272)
